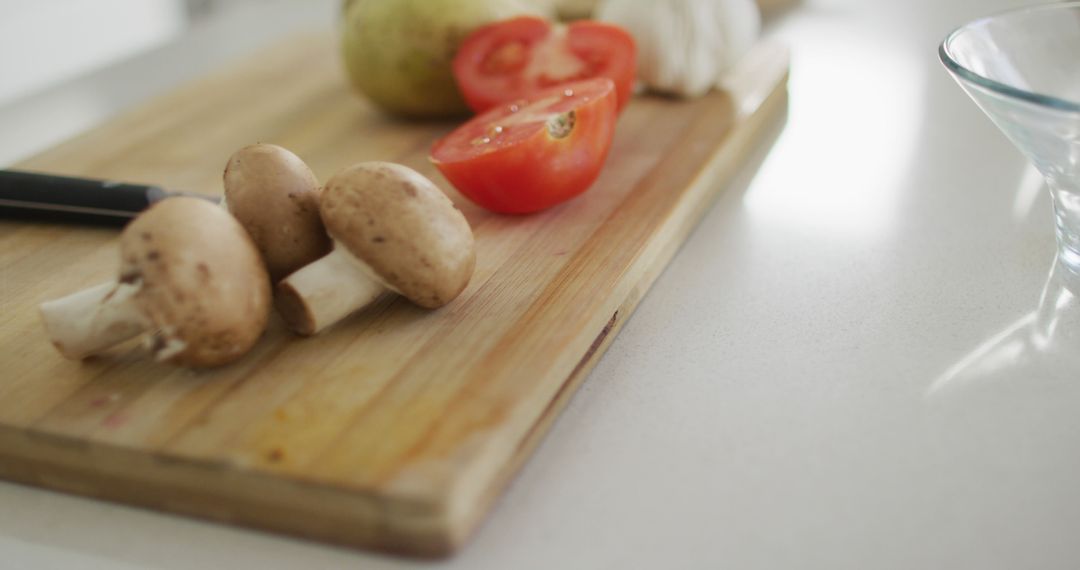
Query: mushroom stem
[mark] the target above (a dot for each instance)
(92, 320)
(327, 291)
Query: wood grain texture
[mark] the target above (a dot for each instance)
(397, 428)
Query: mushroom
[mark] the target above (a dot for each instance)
(393, 229)
(190, 279)
(274, 195)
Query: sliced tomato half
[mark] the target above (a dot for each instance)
(514, 59)
(533, 153)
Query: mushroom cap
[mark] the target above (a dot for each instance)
(204, 288)
(275, 196)
(403, 227)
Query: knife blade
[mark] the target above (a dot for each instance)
(48, 197)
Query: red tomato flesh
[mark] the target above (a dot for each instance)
(531, 154)
(513, 59)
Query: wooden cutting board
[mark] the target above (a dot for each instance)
(396, 429)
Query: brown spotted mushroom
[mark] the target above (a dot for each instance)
(393, 230)
(191, 282)
(275, 196)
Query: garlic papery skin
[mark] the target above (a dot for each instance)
(684, 46)
(741, 20)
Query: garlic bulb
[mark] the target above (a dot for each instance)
(685, 45)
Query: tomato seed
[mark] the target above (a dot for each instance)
(507, 58)
(560, 126)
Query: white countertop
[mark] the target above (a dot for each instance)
(780, 398)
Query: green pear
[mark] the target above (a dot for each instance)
(399, 52)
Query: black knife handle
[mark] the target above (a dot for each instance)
(32, 195)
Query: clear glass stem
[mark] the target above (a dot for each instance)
(1066, 199)
(1056, 328)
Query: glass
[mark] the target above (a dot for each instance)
(1022, 68)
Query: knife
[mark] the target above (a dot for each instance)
(39, 196)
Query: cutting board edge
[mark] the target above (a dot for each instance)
(772, 111)
(314, 510)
